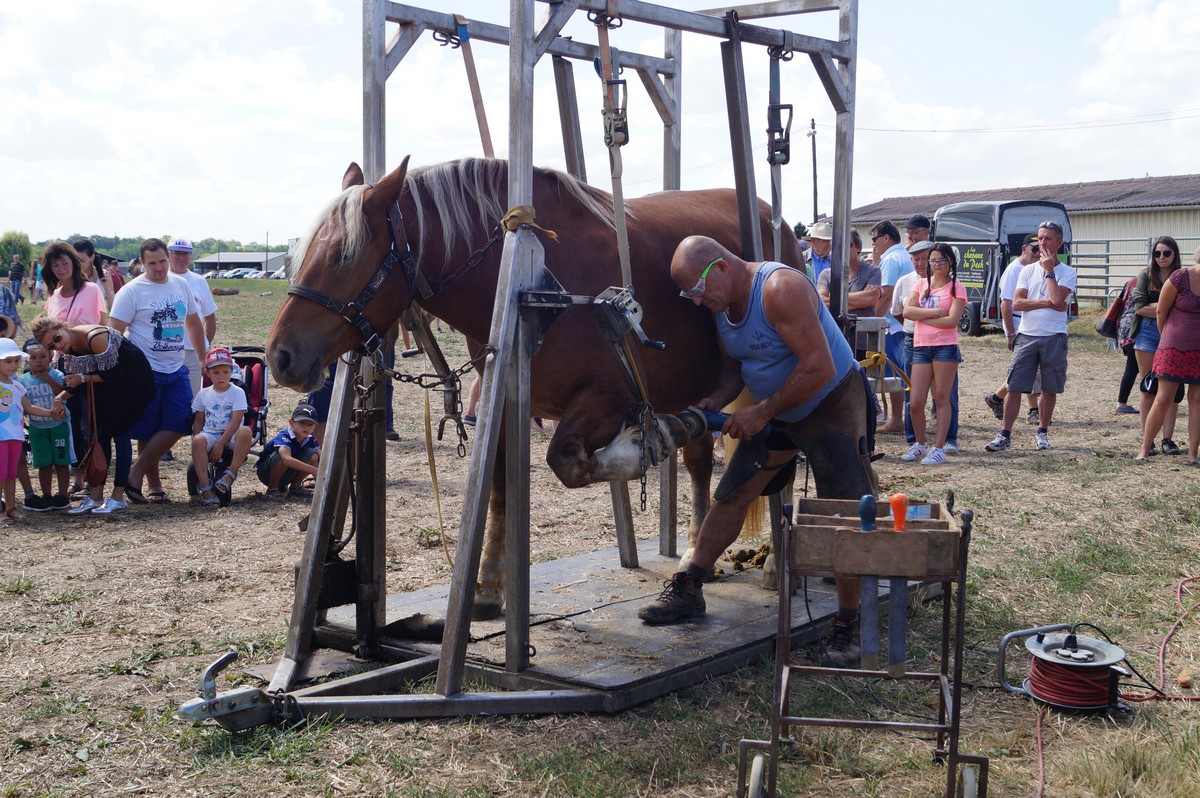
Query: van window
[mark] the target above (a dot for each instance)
(966, 227)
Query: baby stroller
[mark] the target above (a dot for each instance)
(253, 377)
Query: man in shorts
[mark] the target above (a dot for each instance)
(778, 340)
(157, 311)
(179, 252)
(1043, 297)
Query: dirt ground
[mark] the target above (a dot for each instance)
(105, 622)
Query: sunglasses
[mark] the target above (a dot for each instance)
(1052, 226)
(1163, 253)
(698, 288)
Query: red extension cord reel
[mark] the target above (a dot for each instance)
(1068, 670)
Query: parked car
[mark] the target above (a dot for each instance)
(239, 273)
(279, 274)
(988, 236)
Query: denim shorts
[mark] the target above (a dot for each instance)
(946, 353)
(1147, 337)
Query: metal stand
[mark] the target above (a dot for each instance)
(821, 544)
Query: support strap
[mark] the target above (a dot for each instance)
(616, 130)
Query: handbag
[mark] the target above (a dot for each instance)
(93, 463)
(1107, 325)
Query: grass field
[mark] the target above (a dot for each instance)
(106, 624)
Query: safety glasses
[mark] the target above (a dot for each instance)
(698, 289)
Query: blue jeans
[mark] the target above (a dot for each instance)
(909, 435)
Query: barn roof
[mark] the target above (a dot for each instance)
(1102, 195)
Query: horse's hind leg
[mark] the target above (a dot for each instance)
(489, 590)
(698, 460)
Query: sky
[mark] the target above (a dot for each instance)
(235, 119)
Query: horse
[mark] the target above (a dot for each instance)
(449, 211)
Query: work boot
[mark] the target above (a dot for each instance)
(680, 599)
(841, 647)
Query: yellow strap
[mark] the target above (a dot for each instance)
(524, 214)
(437, 494)
(879, 360)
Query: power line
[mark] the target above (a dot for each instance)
(1047, 127)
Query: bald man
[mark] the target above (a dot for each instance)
(777, 339)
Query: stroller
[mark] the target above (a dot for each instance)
(252, 376)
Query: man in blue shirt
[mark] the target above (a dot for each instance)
(771, 324)
(894, 262)
(820, 245)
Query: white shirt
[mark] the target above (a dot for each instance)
(218, 408)
(1046, 321)
(204, 299)
(156, 314)
(1008, 287)
(903, 291)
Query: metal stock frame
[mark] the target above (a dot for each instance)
(516, 331)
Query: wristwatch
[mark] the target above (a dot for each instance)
(1050, 275)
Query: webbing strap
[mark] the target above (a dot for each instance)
(609, 64)
(776, 166)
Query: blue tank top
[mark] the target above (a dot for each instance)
(766, 360)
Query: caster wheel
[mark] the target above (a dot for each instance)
(757, 787)
(193, 483)
(968, 782)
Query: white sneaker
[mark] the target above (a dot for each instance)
(87, 505)
(1043, 440)
(935, 457)
(999, 444)
(915, 452)
(951, 447)
(110, 505)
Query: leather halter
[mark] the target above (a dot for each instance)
(354, 312)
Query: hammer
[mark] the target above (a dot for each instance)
(898, 597)
(868, 626)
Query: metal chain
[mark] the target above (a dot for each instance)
(648, 427)
(476, 257)
(430, 381)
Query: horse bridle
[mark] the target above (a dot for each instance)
(354, 312)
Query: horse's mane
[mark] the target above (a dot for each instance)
(467, 197)
(471, 195)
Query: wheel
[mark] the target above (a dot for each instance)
(968, 782)
(969, 323)
(757, 788)
(193, 484)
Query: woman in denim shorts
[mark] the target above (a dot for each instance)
(935, 304)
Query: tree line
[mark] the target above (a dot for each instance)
(14, 242)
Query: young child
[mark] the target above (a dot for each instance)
(220, 409)
(290, 454)
(14, 406)
(49, 438)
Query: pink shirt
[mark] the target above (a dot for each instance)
(86, 307)
(925, 334)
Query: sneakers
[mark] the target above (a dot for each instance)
(469, 421)
(35, 503)
(681, 598)
(1033, 417)
(841, 647)
(915, 452)
(58, 502)
(392, 435)
(951, 447)
(110, 505)
(935, 457)
(1123, 409)
(1043, 440)
(996, 404)
(1169, 447)
(85, 506)
(999, 443)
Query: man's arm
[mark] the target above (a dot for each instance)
(210, 326)
(195, 331)
(885, 299)
(729, 384)
(791, 304)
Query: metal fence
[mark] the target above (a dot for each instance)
(1106, 264)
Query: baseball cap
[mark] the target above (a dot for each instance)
(179, 245)
(917, 220)
(1030, 239)
(920, 246)
(821, 230)
(218, 356)
(304, 412)
(9, 348)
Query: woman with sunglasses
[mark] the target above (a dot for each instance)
(121, 382)
(1164, 261)
(1177, 359)
(935, 304)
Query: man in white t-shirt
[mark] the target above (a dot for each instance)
(179, 252)
(157, 312)
(1042, 298)
(1012, 322)
(894, 262)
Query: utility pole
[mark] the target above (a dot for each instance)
(812, 134)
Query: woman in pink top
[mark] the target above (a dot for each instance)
(935, 304)
(71, 297)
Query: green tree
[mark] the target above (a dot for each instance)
(15, 243)
(800, 230)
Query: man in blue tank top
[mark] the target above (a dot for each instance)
(780, 342)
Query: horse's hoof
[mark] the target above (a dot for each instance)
(488, 605)
(672, 428)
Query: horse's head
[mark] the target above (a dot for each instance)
(334, 278)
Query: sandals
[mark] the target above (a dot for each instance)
(208, 502)
(135, 495)
(157, 497)
(223, 489)
(275, 496)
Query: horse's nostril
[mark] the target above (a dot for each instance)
(282, 360)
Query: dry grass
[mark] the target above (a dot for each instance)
(106, 623)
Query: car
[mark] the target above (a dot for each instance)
(279, 274)
(239, 273)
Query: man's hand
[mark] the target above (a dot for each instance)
(746, 423)
(1047, 259)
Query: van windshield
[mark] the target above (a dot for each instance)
(966, 227)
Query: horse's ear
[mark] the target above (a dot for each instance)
(388, 190)
(353, 176)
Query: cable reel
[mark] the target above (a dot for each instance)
(1068, 670)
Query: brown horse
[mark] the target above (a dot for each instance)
(449, 212)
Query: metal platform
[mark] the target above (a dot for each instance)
(586, 635)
